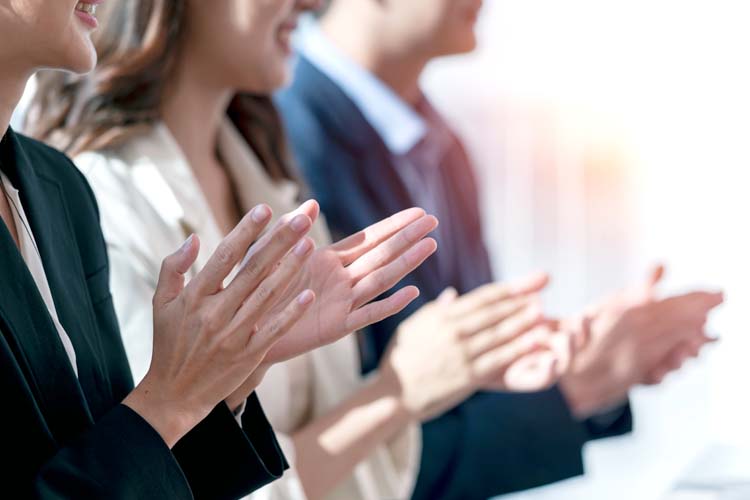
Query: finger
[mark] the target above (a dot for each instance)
(495, 362)
(309, 208)
(378, 282)
(694, 304)
(173, 269)
(671, 362)
(524, 321)
(654, 278)
(447, 296)
(230, 251)
(497, 292)
(491, 315)
(562, 344)
(275, 329)
(392, 248)
(356, 245)
(382, 309)
(266, 257)
(271, 288)
(533, 372)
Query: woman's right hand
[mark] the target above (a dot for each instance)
(206, 341)
(454, 346)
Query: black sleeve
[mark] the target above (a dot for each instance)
(217, 459)
(121, 457)
(223, 461)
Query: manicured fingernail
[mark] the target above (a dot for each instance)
(300, 224)
(186, 246)
(303, 248)
(261, 213)
(305, 297)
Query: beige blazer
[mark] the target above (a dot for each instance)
(150, 202)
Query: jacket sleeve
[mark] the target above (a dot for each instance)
(223, 460)
(218, 458)
(121, 457)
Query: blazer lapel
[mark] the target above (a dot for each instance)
(28, 326)
(376, 166)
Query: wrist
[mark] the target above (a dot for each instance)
(235, 400)
(170, 419)
(576, 395)
(386, 386)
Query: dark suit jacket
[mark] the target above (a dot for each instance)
(68, 437)
(492, 443)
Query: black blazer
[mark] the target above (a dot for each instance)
(492, 443)
(68, 437)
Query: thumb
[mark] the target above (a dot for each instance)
(655, 277)
(447, 296)
(173, 269)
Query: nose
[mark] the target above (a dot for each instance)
(310, 5)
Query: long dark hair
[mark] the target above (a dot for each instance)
(258, 120)
(137, 47)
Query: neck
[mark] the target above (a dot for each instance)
(12, 85)
(396, 65)
(193, 110)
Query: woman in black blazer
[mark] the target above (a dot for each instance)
(71, 423)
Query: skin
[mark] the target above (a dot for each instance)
(242, 45)
(206, 342)
(634, 336)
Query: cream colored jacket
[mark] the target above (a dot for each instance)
(150, 202)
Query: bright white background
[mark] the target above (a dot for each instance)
(609, 135)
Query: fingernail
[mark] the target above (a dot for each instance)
(300, 224)
(261, 213)
(186, 245)
(305, 297)
(303, 248)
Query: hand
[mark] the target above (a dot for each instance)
(453, 346)
(633, 338)
(347, 275)
(206, 341)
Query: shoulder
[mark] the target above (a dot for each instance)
(54, 165)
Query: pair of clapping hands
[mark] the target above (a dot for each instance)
(213, 344)
(496, 338)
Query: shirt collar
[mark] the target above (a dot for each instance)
(397, 123)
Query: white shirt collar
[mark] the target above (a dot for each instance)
(397, 123)
(30, 254)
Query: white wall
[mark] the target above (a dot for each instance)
(610, 135)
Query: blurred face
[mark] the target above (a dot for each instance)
(48, 34)
(246, 44)
(438, 27)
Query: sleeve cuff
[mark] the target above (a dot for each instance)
(122, 456)
(612, 423)
(222, 460)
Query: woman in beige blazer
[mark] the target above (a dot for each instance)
(149, 131)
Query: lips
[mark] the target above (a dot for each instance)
(88, 7)
(86, 12)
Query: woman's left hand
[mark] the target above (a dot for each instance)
(348, 275)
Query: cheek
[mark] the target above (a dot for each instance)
(64, 41)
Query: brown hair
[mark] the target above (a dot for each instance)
(137, 48)
(258, 120)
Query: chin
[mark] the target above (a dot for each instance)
(271, 80)
(81, 60)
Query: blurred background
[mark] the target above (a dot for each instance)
(611, 135)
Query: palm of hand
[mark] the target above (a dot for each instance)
(327, 319)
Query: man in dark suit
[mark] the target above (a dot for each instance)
(369, 144)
